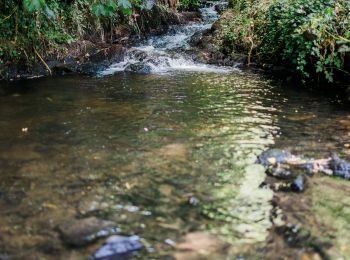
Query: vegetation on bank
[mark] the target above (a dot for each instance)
(311, 37)
(31, 27)
(32, 31)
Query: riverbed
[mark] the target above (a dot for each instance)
(160, 155)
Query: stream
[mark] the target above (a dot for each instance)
(163, 154)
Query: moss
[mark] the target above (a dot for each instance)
(331, 206)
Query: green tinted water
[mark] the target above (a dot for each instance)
(137, 149)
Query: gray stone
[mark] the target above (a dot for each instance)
(139, 67)
(80, 232)
(118, 247)
(298, 185)
(340, 168)
(274, 156)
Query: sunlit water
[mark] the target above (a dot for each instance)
(138, 147)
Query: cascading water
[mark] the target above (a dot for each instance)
(166, 52)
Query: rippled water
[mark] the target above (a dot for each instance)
(140, 147)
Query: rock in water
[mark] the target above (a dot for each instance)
(220, 7)
(139, 67)
(298, 185)
(280, 172)
(200, 245)
(274, 156)
(196, 39)
(80, 232)
(340, 168)
(118, 248)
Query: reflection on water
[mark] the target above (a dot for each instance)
(137, 149)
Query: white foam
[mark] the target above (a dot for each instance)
(163, 53)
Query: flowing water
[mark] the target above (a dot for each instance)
(161, 155)
(166, 53)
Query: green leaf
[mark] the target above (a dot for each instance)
(112, 6)
(127, 11)
(124, 4)
(98, 9)
(33, 5)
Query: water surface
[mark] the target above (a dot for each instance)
(139, 148)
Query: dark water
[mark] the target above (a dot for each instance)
(138, 148)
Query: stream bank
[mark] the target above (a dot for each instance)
(90, 54)
(312, 48)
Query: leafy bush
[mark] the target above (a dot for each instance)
(312, 36)
(190, 4)
(242, 26)
(30, 27)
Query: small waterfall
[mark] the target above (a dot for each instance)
(167, 52)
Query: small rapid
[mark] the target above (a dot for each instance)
(170, 51)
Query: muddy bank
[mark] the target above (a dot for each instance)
(91, 54)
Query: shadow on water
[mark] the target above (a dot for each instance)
(160, 155)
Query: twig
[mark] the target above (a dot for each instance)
(337, 37)
(42, 60)
(7, 17)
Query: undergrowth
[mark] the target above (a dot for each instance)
(32, 30)
(311, 37)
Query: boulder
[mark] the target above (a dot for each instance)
(339, 167)
(80, 232)
(221, 7)
(112, 53)
(274, 156)
(139, 67)
(196, 39)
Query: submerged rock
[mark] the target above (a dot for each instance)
(282, 164)
(139, 67)
(299, 237)
(118, 248)
(194, 201)
(280, 172)
(200, 245)
(339, 167)
(274, 156)
(298, 185)
(91, 206)
(90, 68)
(80, 232)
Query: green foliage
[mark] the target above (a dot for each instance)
(312, 37)
(49, 25)
(34, 5)
(190, 4)
(241, 26)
